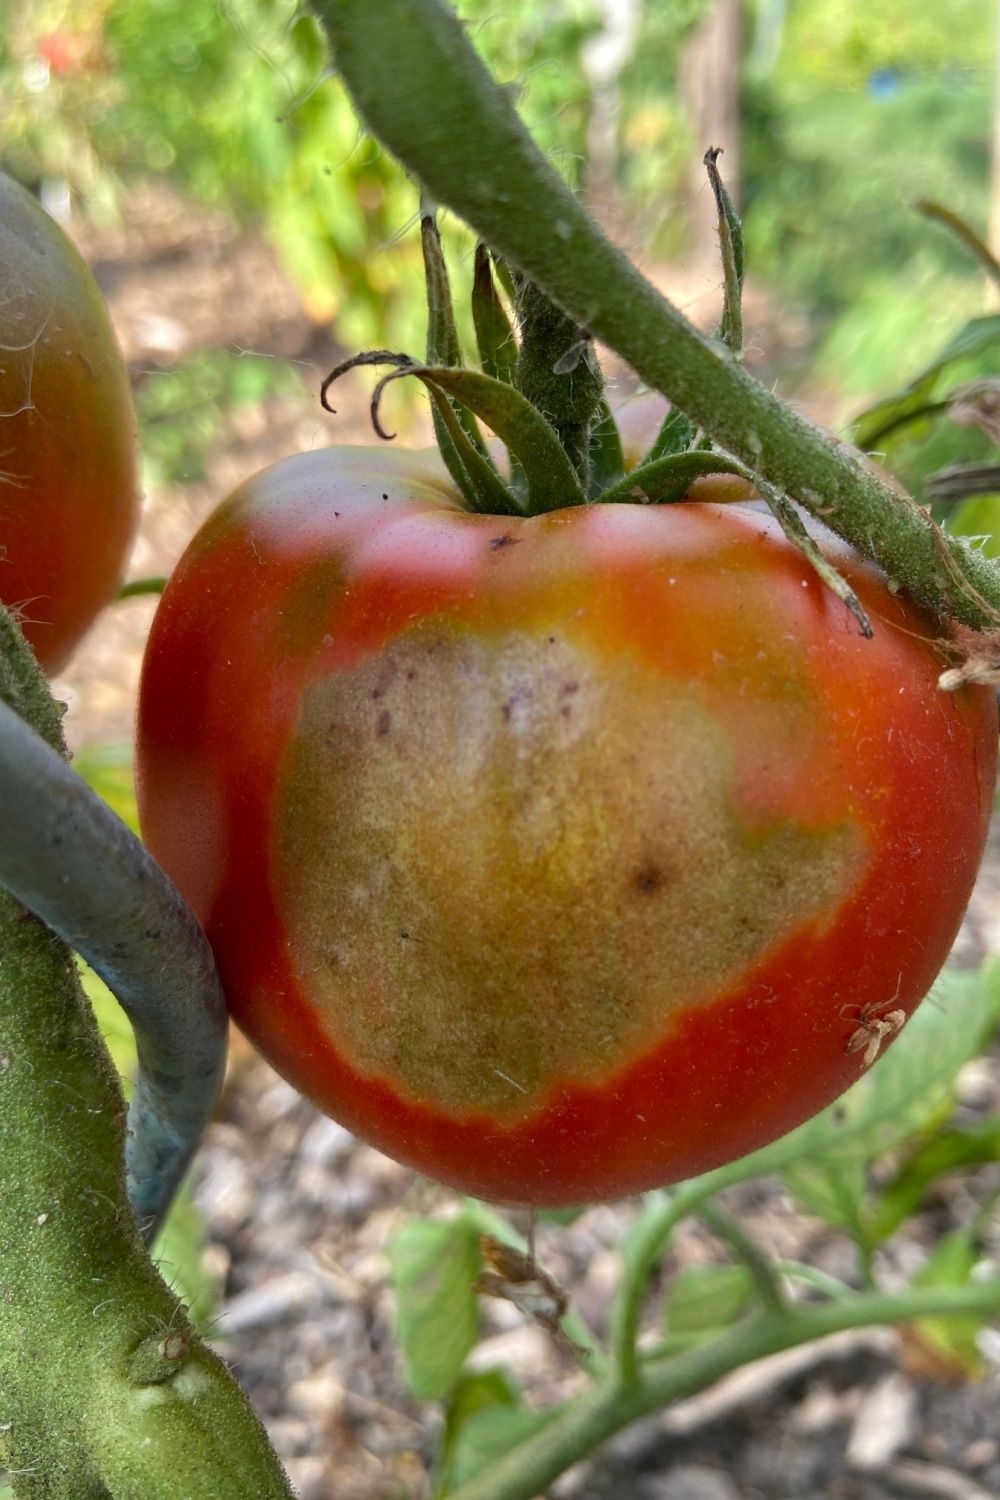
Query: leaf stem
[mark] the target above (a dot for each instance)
(764, 1273)
(646, 1242)
(585, 1423)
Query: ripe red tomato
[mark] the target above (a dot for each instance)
(558, 857)
(69, 496)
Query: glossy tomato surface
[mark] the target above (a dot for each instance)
(558, 857)
(69, 494)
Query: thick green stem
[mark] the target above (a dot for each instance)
(588, 1421)
(67, 857)
(105, 1391)
(80, 1293)
(421, 88)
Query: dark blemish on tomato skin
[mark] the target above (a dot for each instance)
(496, 542)
(384, 723)
(385, 497)
(568, 689)
(519, 695)
(648, 879)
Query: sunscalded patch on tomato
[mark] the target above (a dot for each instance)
(442, 799)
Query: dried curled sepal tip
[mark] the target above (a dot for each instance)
(368, 357)
(979, 663)
(518, 1278)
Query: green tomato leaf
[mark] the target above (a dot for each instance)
(947, 1151)
(953, 1341)
(833, 1191)
(434, 1263)
(921, 395)
(484, 1420)
(704, 1299)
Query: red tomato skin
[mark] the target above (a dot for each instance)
(69, 491)
(322, 567)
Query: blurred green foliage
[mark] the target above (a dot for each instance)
(183, 410)
(849, 114)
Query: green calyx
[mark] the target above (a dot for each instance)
(540, 389)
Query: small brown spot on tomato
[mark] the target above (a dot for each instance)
(384, 723)
(497, 542)
(648, 879)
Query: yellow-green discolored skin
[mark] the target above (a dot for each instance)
(444, 799)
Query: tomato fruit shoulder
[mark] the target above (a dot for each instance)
(69, 491)
(558, 857)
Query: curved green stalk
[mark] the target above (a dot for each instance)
(765, 1275)
(106, 1393)
(421, 88)
(68, 858)
(646, 1242)
(527, 1470)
